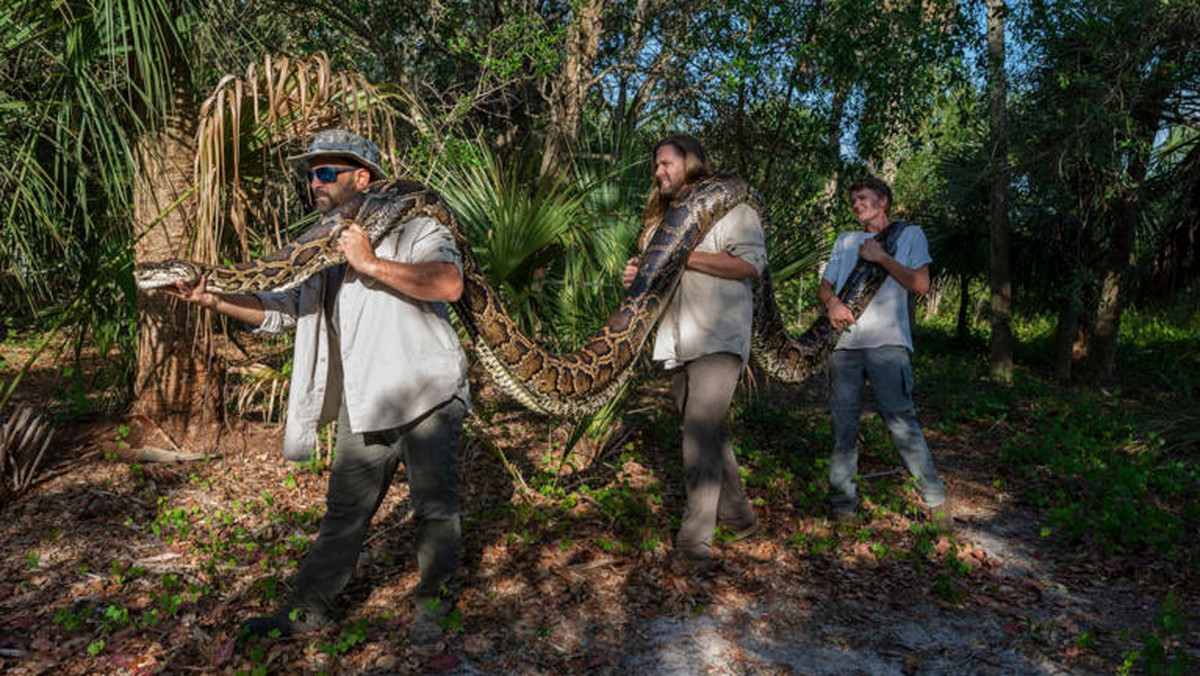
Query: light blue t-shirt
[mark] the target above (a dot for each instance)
(885, 321)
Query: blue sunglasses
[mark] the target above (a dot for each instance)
(327, 174)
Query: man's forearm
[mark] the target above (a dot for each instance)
(246, 309)
(722, 264)
(839, 314)
(434, 281)
(825, 293)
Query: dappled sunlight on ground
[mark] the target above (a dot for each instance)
(117, 566)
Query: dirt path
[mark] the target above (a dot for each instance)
(1021, 620)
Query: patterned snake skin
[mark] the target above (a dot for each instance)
(575, 383)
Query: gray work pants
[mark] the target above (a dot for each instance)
(362, 471)
(703, 389)
(890, 371)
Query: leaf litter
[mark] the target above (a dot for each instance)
(118, 567)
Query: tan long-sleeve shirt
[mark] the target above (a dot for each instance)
(710, 314)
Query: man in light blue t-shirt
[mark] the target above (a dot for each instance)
(876, 347)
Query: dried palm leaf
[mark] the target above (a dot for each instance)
(246, 128)
(24, 437)
(260, 389)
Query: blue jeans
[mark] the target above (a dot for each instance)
(890, 372)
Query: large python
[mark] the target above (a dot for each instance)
(575, 383)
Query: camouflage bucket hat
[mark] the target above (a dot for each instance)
(334, 143)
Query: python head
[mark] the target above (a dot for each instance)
(166, 273)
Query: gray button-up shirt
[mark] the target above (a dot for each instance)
(392, 358)
(710, 314)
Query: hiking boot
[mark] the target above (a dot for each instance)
(842, 516)
(286, 621)
(688, 567)
(427, 629)
(841, 510)
(698, 561)
(940, 515)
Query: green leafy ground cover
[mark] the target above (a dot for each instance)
(116, 566)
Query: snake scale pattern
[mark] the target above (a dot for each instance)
(570, 384)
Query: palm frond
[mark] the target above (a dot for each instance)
(25, 434)
(517, 225)
(80, 81)
(609, 174)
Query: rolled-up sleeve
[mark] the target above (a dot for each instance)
(743, 237)
(281, 308)
(423, 240)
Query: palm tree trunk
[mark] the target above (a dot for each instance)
(177, 384)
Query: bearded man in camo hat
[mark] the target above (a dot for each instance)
(375, 351)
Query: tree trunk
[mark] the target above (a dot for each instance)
(641, 99)
(800, 67)
(740, 125)
(1147, 109)
(629, 108)
(568, 94)
(177, 384)
(963, 325)
(1102, 345)
(1000, 346)
(838, 108)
